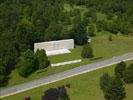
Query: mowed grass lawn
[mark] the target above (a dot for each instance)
(103, 49)
(83, 87)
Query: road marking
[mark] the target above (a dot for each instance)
(63, 78)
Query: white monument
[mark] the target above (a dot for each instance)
(55, 47)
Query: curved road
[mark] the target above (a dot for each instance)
(63, 75)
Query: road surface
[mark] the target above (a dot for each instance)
(62, 75)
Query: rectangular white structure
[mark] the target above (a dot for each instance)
(55, 47)
(66, 63)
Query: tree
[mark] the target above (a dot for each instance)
(79, 33)
(91, 30)
(119, 69)
(116, 90)
(104, 82)
(87, 51)
(51, 94)
(25, 35)
(59, 93)
(3, 76)
(42, 59)
(26, 65)
(91, 15)
(128, 74)
(112, 87)
(53, 32)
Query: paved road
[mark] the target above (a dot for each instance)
(63, 75)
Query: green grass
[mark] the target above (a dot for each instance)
(83, 87)
(103, 49)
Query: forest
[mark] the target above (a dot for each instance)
(24, 22)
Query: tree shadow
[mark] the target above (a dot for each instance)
(96, 58)
(41, 71)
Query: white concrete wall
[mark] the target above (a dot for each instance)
(66, 63)
(55, 45)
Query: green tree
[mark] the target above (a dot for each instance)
(119, 69)
(116, 90)
(79, 33)
(42, 59)
(91, 30)
(104, 82)
(25, 35)
(3, 76)
(91, 15)
(87, 51)
(53, 32)
(26, 65)
(128, 74)
(112, 87)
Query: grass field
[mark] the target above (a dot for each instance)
(103, 49)
(83, 87)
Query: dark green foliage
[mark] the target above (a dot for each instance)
(104, 82)
(91, 30)
(3, 76)
(42, 59)
(23, 22)
(91, 15)
(59, 93)
(101, 25)
(26, 64)
(25, 35)
(116, 90)
(119, 69)
(8, 51)
(87, 51)
(53, 32)
(79, 34)
(128, 74)
(112, 87)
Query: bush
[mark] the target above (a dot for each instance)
(116, 90)
(51, 94)
(110, 38)
(42, 59)
(26, 65)
(59, 93)
(104, 81)
(87, 51)
(128, 74)
(112, 87)
(119, 69)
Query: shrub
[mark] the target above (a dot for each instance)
(26, 65)
(59, 93)
(112, 87)
(42, 59)
(116, 90)
(87, 51)
(104, 81)
(128, 74)
(119, 69)
(110, 38)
